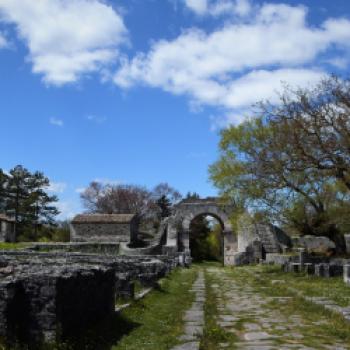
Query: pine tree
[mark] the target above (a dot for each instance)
(164, 205)
(24, 198)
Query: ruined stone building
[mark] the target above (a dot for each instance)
(7, 229)
(104, 228)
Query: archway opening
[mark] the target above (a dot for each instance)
(205, 238)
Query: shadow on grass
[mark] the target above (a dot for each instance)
(102, 336)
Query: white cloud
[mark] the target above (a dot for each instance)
(197, 6)
(3, 41)
(263, 84)
(56, 121)
(68, 209)
(96, 119)
(57, 187)
(216, 8)
(241, 62)
(80, 190)
(66, 38)
(106, 181)
(339, 62)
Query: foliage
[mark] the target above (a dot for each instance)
(158, 318)
(23, 196)
(291, 163)
(118, 199)
(149, 206)
(205, 241)
(165, 197)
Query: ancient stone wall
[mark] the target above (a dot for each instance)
(104, 232)
(7, 231)
(49, 297)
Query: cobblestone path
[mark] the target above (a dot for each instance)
(194, 317)
(256, 321)
(248, 317)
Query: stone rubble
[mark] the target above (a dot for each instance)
(47, 296)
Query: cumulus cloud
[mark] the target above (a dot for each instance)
(66, 38)
(56, 122)
(240, 62)
(3, 41)
(220, 7)
(68, 209)
(107, 181)
(198, 6)
(57, 187)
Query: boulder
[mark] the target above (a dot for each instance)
(317, 244)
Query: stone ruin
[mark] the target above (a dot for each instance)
(45, 297)
(255, 241)
(7, 230)
(110, 228)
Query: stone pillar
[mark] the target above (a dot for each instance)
(322, 270)
(185, 239)
(230, 247)
(346, 274)
(309, 268)
(302, 257)
(295, 267)
(347, 243)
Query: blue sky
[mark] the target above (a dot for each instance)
(136, 91)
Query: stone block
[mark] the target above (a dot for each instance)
(347, 243)
(346, 274)
(322, 270)
(295, 267)
(317, 244)
(309, 268)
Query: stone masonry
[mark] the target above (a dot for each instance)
(111, 228)
(47, 296)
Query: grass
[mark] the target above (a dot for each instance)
(13, 246)
(334, 330)
(213, 334)
(332, 288)
(158, 317)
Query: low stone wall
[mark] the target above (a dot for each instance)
(49, 297)
(280, 259)
(99, 248)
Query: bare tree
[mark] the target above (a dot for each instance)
(118, 199)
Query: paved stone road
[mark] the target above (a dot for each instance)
(243, 311)
(194, 317)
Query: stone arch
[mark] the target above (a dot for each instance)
(187, 211)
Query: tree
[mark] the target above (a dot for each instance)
(3, 184)
(165, 197)
(192, 196)
(164, 205)
(318, 125)
(291, 161)
(118, 199)
(199, 230)
(24, 197)
(41, 210)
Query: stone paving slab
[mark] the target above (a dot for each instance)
(194, 318)
(244, 312)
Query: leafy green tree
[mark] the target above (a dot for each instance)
(290, 162)
(199, 230)
(24, 198)
(3, 195)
